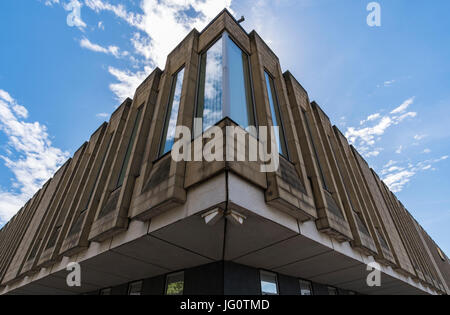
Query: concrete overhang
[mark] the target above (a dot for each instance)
(180, 239)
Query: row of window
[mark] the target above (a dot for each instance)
(224, 90)
(269, 286)
(174, 286)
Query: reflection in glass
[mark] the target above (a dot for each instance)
(241, 104)
(175, 284)
(225, 85)
(210, 102)
(172, 113)
(269, 283)
(129, 149)
(276, 115)
(305, 288)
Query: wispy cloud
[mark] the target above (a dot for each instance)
(29, 155)
(397, 174)
(110, 50)
(159, 27)
(365, 138)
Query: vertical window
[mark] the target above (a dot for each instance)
(441, 254)
(173, 108)
(269, 283)
(175, 284)
(105, 291)
(225, 85)
(316, 155)
(332, 291)
(135, 288)
(306, 288)
(126, 160)
(240, 95)
(276, 114)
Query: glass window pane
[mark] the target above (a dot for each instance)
(135, 288)
(123, 171)
(172, 113)
(241, 103)
(276, 116)
(105, 291)
(332, 291)
(210, 101)
(305, 288)
(175, 284)
(269, 283)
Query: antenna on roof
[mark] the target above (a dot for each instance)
(242, 19)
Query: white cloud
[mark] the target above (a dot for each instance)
(159, 28)
(102, 115)
(399, 150)
(30, 156)
(427, 151)
(101, 25)
(419, 137)
(110, 50)
(389, 83)
(51, 2)
(128, 81)
(365, 138)
(402, 108)
(396, 177)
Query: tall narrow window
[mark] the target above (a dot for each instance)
(269, 283)
(129, 149)
(276, 115)
(173, 108)
(316, 155)
(332, 291)
(225, 85)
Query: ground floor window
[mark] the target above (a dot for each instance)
(135, 288)
(306, 287)
(175, 284)
(269, 283)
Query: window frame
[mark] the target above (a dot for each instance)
(106, 290)
(174, 80)
(129, 151)
(277, 107)
(141, 282)
(166, 286)
(252, 117)
(311, 291)
(268, 273)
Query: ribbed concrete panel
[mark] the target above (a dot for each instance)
(391, 234)
(33, 228)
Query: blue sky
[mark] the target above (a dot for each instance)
(387, 87)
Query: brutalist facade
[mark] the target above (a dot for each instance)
(139, 222)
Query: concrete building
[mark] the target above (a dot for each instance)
(138, 222)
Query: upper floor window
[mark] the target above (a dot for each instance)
(276, 115)
(441, 254)
(225, 85)
(269, 283)
(171, 117)
(127, 157)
